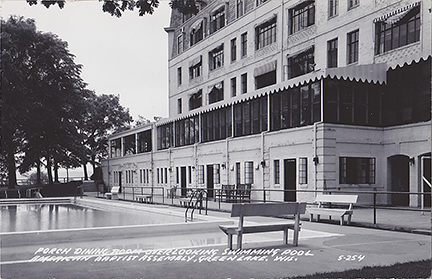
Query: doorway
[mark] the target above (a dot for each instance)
(120, 181)
(399, 179)
(290, 183)
(426, 176)
(210, 183)
(183, 185)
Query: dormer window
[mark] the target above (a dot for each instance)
(196, 34)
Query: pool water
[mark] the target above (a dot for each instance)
(37, 217)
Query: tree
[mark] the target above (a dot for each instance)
(103, 116)
(42, 98)
(117, 7)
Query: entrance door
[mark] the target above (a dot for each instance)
(399, 179)
(210, 183)
(426, 175)
(120, 181)
(290, 180)
(183, 185)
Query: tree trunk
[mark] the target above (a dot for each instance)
(38, 172)
(11, 169)
(94, 164)
(85, 171)
(48, 166)
(56, 177)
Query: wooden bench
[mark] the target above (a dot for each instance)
(144, 198)
(268, 210)
(113, 194)
(325, 201)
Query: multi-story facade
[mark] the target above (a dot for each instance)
(291, 95)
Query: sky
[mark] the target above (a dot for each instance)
(126, 56)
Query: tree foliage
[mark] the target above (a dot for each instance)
(117, 7)
(48, 115)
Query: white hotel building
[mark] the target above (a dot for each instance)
(291, 95)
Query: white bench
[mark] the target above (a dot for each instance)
(144, 198)
(113, 195)
(264, 209)
(323, 208)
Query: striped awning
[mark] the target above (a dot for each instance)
(266, 68)
(396, 15)
(376, 73)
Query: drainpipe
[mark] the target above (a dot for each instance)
(227, 160)
(263, 160)
(315, 137)
(282, 41)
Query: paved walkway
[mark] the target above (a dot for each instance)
(198, 249)
(398, 219)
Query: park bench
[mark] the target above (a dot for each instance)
(144, 198)
(267, 210)
(333, 205)
(113, 194)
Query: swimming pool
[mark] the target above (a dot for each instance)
(41, 217)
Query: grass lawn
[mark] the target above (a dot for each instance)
(421, 269)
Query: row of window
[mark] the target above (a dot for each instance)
(352, 170)
(390, 34)
(300, 17)
(132, 144)
(405, 99)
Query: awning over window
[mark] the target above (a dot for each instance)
(269, 67)
(195, 61)
(395, 16)
(197, 25)
(376, 73)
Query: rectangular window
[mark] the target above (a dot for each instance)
(129, 145)
(333, 6)
(166, 175)
(244, 83)
(301, 63)
(276, 171)
(195, 70)
(179, 106)
(165, 136)
(265, 34)
(216, 124)
(332, 53)
(179, 76)
(233, 87)
(353, 46)
(244, 44)
(233, 49)
(195, 100)
(303, 170)
(217, 20)
(201, 174)
(177, 175)
(216, 93)
(216, 173)
(216, 58)
(238, 173)
(144, 141)
(158, 177)
(354, 170)
(265, 80)
(190, 174)
(353, 3)
(250, 117)
(391, 35)
(240, 8)
(196, 34)
(249, 175)
(116, 148)
(180, 44)
(301, 16)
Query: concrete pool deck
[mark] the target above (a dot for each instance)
(198, 249)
